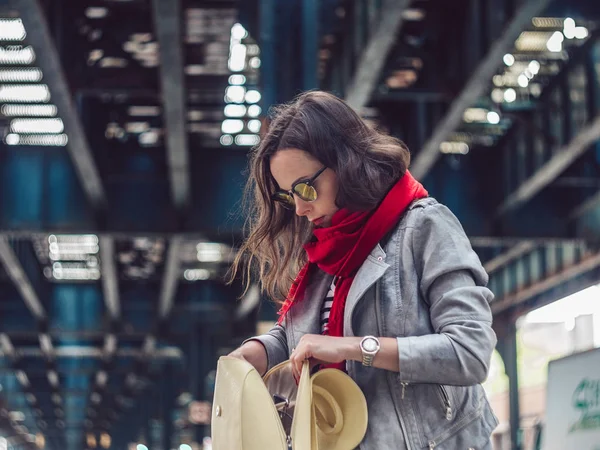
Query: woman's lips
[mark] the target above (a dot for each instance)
(319, 221)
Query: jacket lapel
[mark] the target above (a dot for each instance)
(371, 270)
(305, 315)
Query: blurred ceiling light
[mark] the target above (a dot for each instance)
(96, 12)
(254, 110)
(235, 111)
(534, 67)
(226, 140)
(508, 59)
(46, 343)
(493, 117)
(460, 148)
(238, 31)
(105, 440)
(510, 95)
(475, 115)
(255, 62)
(413, 14)
(497, 95)
(74, 239)
(75, 273)
(137, 127)
(90, 439)
(247, 139)
(196, 274)
(232, 126)
(12, 30)
(254, 126)
(53, 378)
(24, 75)
(12, 139)
(211, 251)
(235, 94)
(113, 62)
(523, 80)
(28, 110)
(17, 416)
(195, 69)
(498, 80)
(57, 399)
(401, 79)
(547, 22)
(569, 28)
(528, 74)
(26, 93)
(237, 58)
(50, 140)
(533, 41)
(148, 138)
(101, 378)
(17, 55)
(37, 126)
(30, 398)
(141, 447)
(96, 397)
(237, 79)
(144, 111)
(253, 96)
(554, 44)
(581, 32)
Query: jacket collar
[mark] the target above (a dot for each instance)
(304, 317)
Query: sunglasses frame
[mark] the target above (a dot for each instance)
(308, 181)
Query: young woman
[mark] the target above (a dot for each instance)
(384, 282)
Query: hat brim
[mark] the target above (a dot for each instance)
(353, 405)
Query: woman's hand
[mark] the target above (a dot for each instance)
(319, 349)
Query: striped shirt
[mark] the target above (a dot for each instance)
(326, 307)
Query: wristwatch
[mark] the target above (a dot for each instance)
(369, 346)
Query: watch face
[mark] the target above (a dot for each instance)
(370, 345)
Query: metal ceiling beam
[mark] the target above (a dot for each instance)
(110, 285)
(586, 206)
(561, 160)
(17, 274)
(48, 59)
(167, 15)
(507, 241)
(169, 284)
(475, 86)
(86, 351)
(512, 300)
(375, 53)
(510, 255)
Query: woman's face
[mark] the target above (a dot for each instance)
(290, 165)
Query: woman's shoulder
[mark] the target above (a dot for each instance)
(427, 214)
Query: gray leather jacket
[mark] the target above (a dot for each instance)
(427, 289)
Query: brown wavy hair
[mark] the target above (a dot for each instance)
(366, 162)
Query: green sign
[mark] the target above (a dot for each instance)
(586, 398)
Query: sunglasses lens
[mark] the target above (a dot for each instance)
(306, 192)
(285, 199)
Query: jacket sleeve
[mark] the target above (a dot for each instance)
(275, 344)
(453, 284)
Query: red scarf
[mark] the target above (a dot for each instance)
(341, 249)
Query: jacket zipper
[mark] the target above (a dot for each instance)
(445, 402)
(377, 318)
